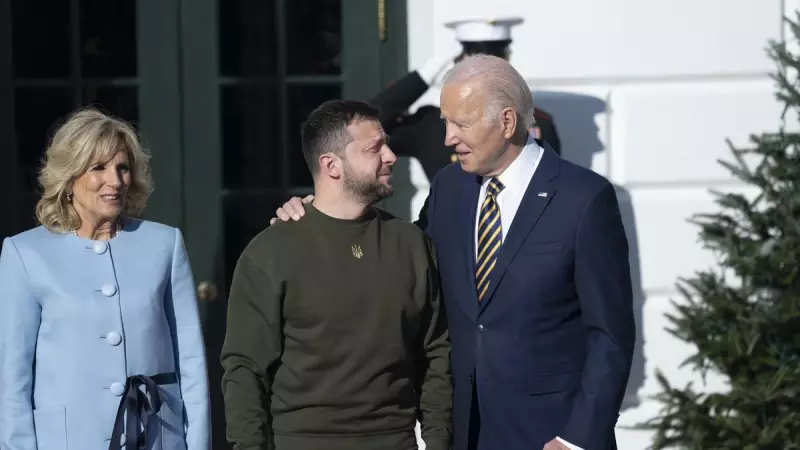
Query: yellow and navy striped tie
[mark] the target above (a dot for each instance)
(490, 237)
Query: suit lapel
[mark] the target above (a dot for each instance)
(468, 205)
(540, 192)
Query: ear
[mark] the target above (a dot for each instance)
(508, 120)
(329, 165)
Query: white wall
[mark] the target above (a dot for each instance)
(644, 93)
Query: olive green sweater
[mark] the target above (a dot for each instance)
(336, 338)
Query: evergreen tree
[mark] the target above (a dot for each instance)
(743, 318)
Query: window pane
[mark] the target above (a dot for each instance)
(244, 215)
(303, 100)
(40, 38)
(250, 137)
(247, 36)
(119, 101)
(108, 38)
(26, 209)
(37, 112)
(314, 37)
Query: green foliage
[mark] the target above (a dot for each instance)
(743, 318)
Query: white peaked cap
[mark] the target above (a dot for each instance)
(482, 30)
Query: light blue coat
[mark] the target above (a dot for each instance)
(78, 318)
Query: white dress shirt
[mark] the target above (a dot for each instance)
(515, 179)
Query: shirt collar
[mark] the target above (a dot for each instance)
(521, 168)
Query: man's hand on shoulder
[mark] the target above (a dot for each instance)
(293, 209)
(555, 444)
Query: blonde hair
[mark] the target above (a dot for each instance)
(86, 138)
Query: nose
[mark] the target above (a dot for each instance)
(389, 157)
(113, 178)
(451, 138)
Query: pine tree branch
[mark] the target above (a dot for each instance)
(742, 318)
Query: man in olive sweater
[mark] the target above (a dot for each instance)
(336, 338)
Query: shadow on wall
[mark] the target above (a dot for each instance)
(575, 116)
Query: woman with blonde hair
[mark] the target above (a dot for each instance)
(100, 339)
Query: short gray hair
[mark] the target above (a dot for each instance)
(505, 87)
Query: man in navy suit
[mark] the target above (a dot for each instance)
(534, 266)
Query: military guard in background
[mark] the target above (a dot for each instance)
(421, 134)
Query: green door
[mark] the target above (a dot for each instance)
(58, 55)
(218, 90)
(251, 72)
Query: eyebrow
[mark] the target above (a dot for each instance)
(383, 139)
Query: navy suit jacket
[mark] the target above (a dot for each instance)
(548, 351)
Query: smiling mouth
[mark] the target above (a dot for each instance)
(110, 197)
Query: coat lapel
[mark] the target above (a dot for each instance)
(468, 205)
(540, 192)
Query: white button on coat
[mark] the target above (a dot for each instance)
(117, 389)
(99, 247)
(108, 290)
(113, 338)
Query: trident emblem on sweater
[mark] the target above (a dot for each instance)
(357, 251)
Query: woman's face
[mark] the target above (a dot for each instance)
(99, 194)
